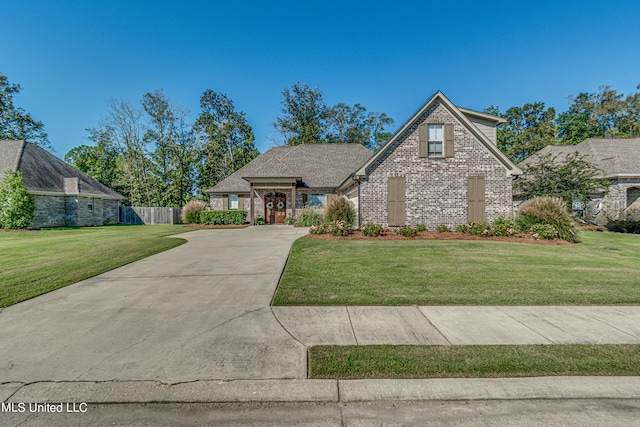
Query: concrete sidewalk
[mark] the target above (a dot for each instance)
(458, 325)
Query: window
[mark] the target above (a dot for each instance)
(435, 138)
(90, 203)
(233, 201)
(316, 200)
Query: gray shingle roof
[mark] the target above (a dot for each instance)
(614, 156)
(319, 166)
(44, 172)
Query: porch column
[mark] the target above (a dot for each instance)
(293, 200)
(252, 195)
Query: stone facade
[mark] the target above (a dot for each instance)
(436, 188)
(623, 195)
(73, 211)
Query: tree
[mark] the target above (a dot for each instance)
(305, 113)
(227, 140)
(99, 161)
(527, 129)
(355, 125)
(16, 205)
(607, 114)
(15, 123)
(574, 178)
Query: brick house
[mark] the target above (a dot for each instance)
(441, 167)
(63, 195)
(619, 161)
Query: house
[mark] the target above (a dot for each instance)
(63, 195)
(619, 161)
(441, 167)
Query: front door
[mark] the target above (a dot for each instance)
(275, 208)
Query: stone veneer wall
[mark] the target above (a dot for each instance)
(436, 188)
(73, 211)
(614, 202)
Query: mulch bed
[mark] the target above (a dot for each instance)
(432, 235)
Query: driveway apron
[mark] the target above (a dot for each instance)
(199, 311)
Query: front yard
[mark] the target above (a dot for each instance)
(39, 261)
(603, 269)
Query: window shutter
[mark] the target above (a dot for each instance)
(240, 203)
(423, 144)
(391, 201)
(475, 199)
(396, 201)
(448, 139)
(225, 203)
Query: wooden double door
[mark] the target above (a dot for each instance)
(275, 208)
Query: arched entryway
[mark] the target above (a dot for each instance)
(275, 208)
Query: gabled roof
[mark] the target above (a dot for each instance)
(44, 173)
(315, 165)
(461, 116)
(617, 158)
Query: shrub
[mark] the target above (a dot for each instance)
(504, 227)
(629, 222)
(191, 211)
(308, 217)
(372, 230)
(260, 220)
(406, 231)
(421, 227)
(340, 209)
(16, 205)
(543, 231)
(223, 217)
(462, 228)
(288, 220)
(548, 210)
(442, 228)
(339, 228)
(479, 228)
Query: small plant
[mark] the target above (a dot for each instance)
(462, 228)
(372, 230)
(479, 229)
(288, 220)
(548, 210)
(421, 227)
(308, 217)
(543, 231)
(340, 209)
(406, 231)
(260, 221)
(443, 228)
(191, 211)
(339, 228)
(504, 227)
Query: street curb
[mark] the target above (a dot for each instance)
(326, 391)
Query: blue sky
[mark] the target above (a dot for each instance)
(72, 57)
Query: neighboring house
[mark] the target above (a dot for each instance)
(619, 161)
(63, 195)
(441, 167)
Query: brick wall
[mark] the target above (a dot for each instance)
(436, 188)
(72, 211)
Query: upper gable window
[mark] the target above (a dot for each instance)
(434, 136)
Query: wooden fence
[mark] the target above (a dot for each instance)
(149, 215)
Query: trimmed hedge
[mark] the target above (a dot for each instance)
(223, 217)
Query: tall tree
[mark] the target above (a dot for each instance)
(304, 116)
(355, 125)
(15, 123)
(607, 114)
(527, 129)
(227, 139)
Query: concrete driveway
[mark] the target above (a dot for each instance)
(200, 311)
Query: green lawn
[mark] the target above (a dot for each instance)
(603, 269)
(35, 262)
(405, 361)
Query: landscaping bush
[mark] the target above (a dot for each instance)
(372, 230)
(337, 228)
(504, 227)
(548, 210)
(191, 211)
(308, 217)
(442, 228)
(288, 220)
(479, 228)
(628, 223)
(462, 228)
(421, 227)
(260, 220)
(16, 205)
(543, 231)
(406, 231)
(340, 209)
(223, 217)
